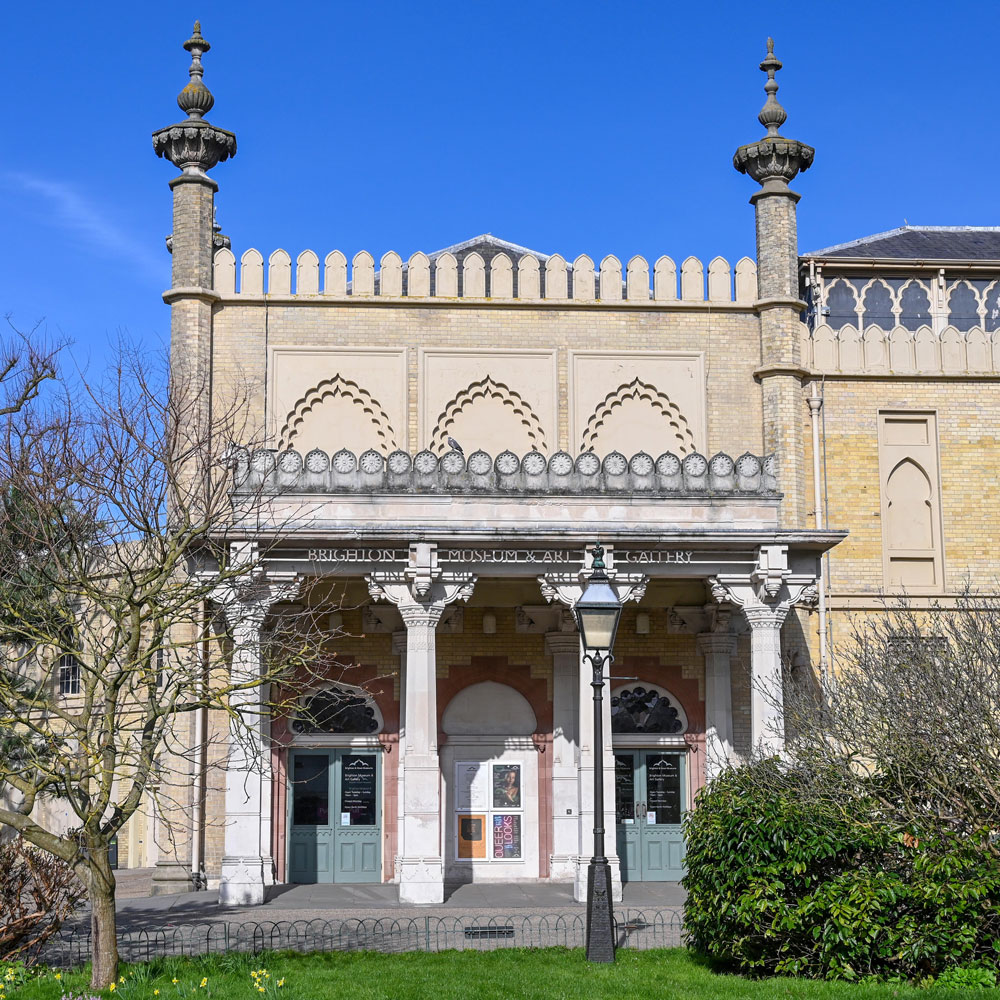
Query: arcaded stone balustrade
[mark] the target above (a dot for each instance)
(425, 472)
(524, 277)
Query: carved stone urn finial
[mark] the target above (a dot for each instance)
(774, 160)
(194, 145)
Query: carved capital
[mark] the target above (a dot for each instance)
(194, 145)
(715, 642)
(561, 643)
(761, 617)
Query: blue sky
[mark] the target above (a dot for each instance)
(572, 127)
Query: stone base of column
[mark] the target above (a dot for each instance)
(581, 868)
(171, 878)
(562, 867)
(244, 881)
(421, 881)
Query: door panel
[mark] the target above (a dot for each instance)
(335, 832)
(650, 801)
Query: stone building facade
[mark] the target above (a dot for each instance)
(761, 448)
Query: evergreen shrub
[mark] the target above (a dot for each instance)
(782, 880)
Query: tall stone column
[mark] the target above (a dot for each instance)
(247, 864)
(421, 594)
(564, 648)
(399, 649)
(195, 146)
(718, 648)
(773, 161)
(765, 596)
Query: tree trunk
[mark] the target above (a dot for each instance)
(103, 933)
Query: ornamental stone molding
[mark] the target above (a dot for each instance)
(774, 160)
(769, 591)
(343, 471)
(422, 590)
(567, 587)
(654, 398)
(194, 145)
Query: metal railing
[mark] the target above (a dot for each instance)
(638, 929)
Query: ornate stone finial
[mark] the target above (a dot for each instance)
(194, 145)
(774, 160)
(196, 99)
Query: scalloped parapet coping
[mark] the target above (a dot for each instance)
(561, 473)
(525, 278)
(901, 351)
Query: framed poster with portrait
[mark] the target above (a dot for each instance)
(472, 837)
(506, 786)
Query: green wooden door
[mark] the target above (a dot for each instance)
(335, 829)
(650, 801)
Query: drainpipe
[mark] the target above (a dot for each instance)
(198, 874)
(815, 407)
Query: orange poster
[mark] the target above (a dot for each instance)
(471, 836)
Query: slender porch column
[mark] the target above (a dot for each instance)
(718, 648)
(421, 595)
(399, 648)
(767, 711)
(247, 865)
(564, 648)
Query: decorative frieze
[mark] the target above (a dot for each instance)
(561, 473)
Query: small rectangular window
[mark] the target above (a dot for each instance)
(69, 674)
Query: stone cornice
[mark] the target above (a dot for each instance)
(172, 295)
(782, 369)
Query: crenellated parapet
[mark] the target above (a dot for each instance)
(399, 472)
(506, 277)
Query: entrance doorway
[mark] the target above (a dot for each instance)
(335, 830)
(650, 802)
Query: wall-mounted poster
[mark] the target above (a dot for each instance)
(506, 836)
(472, 836)
(507, 786)
(358, 799)
(472, 788)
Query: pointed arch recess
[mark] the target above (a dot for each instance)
(487, 387)
(639, 390)
(339, 386)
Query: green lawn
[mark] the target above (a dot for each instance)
(544, 974)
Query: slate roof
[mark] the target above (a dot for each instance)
(921, 243)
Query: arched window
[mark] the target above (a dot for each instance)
(916, 307)
(963, 307)
(338, 710)
(841, 303)
(878, 307)
(645, 710)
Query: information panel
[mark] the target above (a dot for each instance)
(472, 790)
(472, 837)
(624, 788)
(663, 788)
(358, 790)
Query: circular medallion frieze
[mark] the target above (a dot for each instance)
(721, 465)
(641, 464)
(695, 465)
(588, 464)
(317, 460)
(453, 463)
(290, 462)
(425, 463)
(399, 463)
(615, 464)
(770, 465)
(344, 461)
(748, 465)
(480, 463)
(533, 464)
(507, 463)
(262, 461)
(370, 462)
(668, 464)
(561, 464)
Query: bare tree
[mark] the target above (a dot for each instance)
(116, 524)
(911, 728)
(26, 363)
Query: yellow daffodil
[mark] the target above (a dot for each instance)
(174, 981)
(121, 979)
(156, 993)
(112, 987)
(281, 981)
(260, 989)
(204, 982)
(58, 975)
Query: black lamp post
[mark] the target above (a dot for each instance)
(597, 614)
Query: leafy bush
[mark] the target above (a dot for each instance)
(967, 977)
(37, 893)
(783, 881)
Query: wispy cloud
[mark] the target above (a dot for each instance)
(67, 209)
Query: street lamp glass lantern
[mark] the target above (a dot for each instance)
(598, 610)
